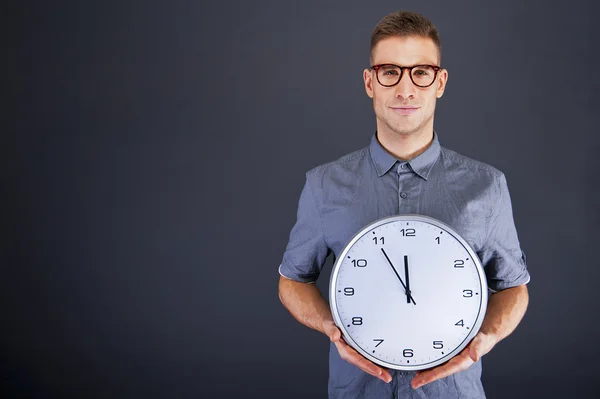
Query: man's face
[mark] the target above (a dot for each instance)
(405, 108)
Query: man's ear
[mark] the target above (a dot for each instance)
(368, 78)
(442, 80)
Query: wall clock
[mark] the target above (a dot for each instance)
(408, 292)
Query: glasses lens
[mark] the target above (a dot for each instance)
(423, 75)
(388, 75)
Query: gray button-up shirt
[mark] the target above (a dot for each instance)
(341, 197)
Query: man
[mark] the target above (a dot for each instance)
(405, 170)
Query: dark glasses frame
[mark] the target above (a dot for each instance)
(402, 68)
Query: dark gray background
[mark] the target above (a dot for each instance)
(153, 156)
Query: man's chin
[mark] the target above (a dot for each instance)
(404, 130)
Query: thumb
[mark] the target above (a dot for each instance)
(336, 335)
(476, 349)
(333, 332)
(473, 353)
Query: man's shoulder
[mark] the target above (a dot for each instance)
(345, 164)
(465, 164)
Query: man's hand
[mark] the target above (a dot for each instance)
(504, 311)
(479, 346)
(352, 356)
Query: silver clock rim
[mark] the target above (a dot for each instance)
(449, 230)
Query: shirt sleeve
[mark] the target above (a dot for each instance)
(501, 256)
(306, 250)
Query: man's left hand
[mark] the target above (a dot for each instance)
(479, 346)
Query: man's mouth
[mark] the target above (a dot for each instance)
(405, 110)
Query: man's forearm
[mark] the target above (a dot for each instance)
(305, 303)
(504, 311)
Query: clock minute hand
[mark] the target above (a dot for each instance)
(399, 278)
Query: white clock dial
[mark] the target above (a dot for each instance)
(408, 292)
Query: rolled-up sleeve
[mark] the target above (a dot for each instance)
(502, 257)
(306, 250)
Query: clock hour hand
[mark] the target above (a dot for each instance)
(408, 294)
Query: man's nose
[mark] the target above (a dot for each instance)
(405, 87)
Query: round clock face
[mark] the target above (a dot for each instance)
(408, 292)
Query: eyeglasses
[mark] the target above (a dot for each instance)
(389, 75)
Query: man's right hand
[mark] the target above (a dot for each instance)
(307, 305)
(350, 355)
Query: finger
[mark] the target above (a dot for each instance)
(332, 331)
(481, 345)
(441, 371)
(372, 369)
(353, 357)
(336, 334)
(458, 363)
(475, 349)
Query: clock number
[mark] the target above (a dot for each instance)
(408, 232)
(380, 239)
(407, 353)
(349, 291)
(380, 341)
(460, 323)
(438, 344)
(459, 263)
(467, 293)
(357, 321)
(437, 239)
(360, 263)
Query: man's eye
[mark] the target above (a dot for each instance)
(420, 72)
(390, 72)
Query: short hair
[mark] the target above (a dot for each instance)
(404, 24)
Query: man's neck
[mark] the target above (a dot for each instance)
(405, 146)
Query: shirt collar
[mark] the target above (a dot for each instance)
(421, 164)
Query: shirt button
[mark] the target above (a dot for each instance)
(403, 195)
(403, 166)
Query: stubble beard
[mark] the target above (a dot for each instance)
(404, 129)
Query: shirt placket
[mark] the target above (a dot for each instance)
(407, 189)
